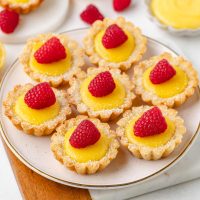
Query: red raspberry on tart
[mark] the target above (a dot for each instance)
(114, 36)
(102, 85)
(51, 51)
(85, 134)
(162, 72)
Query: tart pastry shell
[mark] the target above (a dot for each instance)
(140, 43)
(21, 8)
(77, 60)
(45, 128)
(150, 97)
(145, 152)
(103, 115)
(90, 167)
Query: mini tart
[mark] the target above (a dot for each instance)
(140, 150)
(74, 52)
(139, 43)
(21, 6)
(41, 129)
(104, 114)
(91, 166)
(175, 100)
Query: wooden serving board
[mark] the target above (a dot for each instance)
(35, 187)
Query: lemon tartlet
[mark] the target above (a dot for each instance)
(37, 122)
(122, 56)
(56, 73)
(21, 6)
(152, 147)
(2, 55)
(107, 107)
(87, 160)
(172, 92)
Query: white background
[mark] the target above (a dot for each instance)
(137, 14)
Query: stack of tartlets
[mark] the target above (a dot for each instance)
(101, 94)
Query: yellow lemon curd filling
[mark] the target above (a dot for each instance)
(112, 100)
(18, 1)
(35, 116)
(90, 153)
(167, 89)
(179, 14)
(51, 69)
(118, 54)
(151, 141)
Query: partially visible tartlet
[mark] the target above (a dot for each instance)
(21, 6)
(58, 72)
(179, 80)
(101, 93)
(75, 154)
(36, 121)
(142, 140)
(108, 47)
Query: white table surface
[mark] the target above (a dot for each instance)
(190, 47)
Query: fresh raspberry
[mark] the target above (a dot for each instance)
(50, 51)
(102, 85)
(84, 135)
(40, 96)
(150, 123)
(91, 14)
(113, 37)
(162, 72)
(120, 5)
(8, 21)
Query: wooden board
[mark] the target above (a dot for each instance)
(36, 187)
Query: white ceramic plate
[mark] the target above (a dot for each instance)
(46, 18)
(123, 171)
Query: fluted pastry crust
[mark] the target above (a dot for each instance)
(151, 97)
(145, 152)
(104, 115)
(21, 8)
(90, 167)
(77, 55)
(140, 43)
(45, 128)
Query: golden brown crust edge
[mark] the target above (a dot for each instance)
(38, 130)
(103, 115)
(90, 167)
(140, 46)
(25, 9)
(77, 54)
(146, 152)
(152, 98)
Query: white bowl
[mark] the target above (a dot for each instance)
(179, 32)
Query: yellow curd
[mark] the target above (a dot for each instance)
(90, 153)
(52, 69)
(151, 141)
(118, 54)
(35, 116)
(170, 88)
(179, 14)
(113, 100)
(19, 1)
